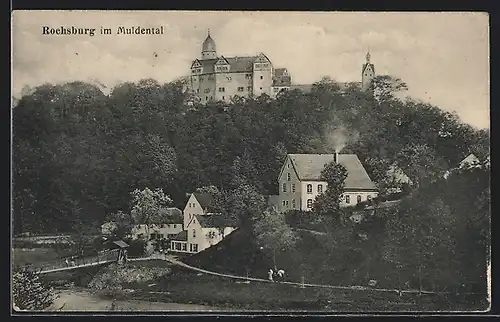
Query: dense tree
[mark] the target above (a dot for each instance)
(29, 292)
(147, 206)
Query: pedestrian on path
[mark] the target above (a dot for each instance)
(270, 274)
(66, 262)
(281, 275)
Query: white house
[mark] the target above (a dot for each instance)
(203, 227)
(470, 161)
(397, 177)
(300, 183)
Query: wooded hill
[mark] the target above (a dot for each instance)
(78, 154)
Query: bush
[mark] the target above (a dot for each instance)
(114, 276)
(29, 292)
(137, 247)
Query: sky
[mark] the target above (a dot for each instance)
(443, 57)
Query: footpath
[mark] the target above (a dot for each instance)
(173, 260)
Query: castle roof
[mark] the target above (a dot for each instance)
(366, 65)
(309, 167)
(237, 64)
(281, 77)
(208, 44)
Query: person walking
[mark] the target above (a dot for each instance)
(281, 275)
(270, 274)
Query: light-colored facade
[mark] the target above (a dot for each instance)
(300, 183)
(200, 231)
(367, 73)
(219, 78)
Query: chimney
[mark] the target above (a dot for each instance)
(336, 156)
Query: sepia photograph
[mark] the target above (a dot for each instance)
(250, 161)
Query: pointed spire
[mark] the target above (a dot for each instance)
(368, 56)
(208, 32)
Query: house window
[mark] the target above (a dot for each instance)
(240, 89)
(194, 233)
(177, 246)
(190, 247)
(347, 199)
(309, 188)
(359, 199)
(223, 98)
(288, 165)
(369, 197)
(284, 187)
(222, 89)
(184, 247)
(309, 203)
(261, 77)
(206, 98)
(283, 203)
(293, 203)
(293, 187)
(320, 188)
(288, 177)
(286, 203)
(195, 248)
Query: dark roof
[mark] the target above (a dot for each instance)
(182, 236)
(237, 64)
(309, 167)
(280, 78)
(210, 221)
(205, 199)
(120, 243)
(306, 88)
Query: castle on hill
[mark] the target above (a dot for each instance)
(219, 78)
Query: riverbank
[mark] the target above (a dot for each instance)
(78, 300)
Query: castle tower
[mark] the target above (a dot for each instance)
(367, 72)
(208, 50)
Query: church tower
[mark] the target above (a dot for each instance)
(208, 50)
(367, 73)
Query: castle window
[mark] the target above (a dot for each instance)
(247, 76)
(293, 203)
(309, 203)
(288, 176)
(283, 203)
(194, 233)
(229, 78)
(359, 199)
(207, 90)
(261, 77)
(284, 187)
(261, 88)
(286, 203)
(293, 187)
(222, 89)
(309, 188)
(265, 65)
(206, 98)
(194, 71)
(249, 88)
(223, 98)
(320, 188)
(240, 89)
(201, 79)
(197, 90)
(347, 199)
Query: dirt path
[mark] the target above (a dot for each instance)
(80, 300)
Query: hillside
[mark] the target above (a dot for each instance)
(315, 257)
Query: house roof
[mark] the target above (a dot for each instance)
(398, 174)
(470, 159)
(205, 199)
(182, 236)
(309, 167)
(306, 88)
(210, 221)
(120, 243)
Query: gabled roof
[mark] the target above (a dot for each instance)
(120, 243)
(182, 236)
(309, 167)
(396, 173)
(212, 221)
(237, 64)
(469, 160)
(205, 199)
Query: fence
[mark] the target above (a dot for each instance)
(105, 257)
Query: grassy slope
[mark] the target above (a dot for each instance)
(316, 257)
